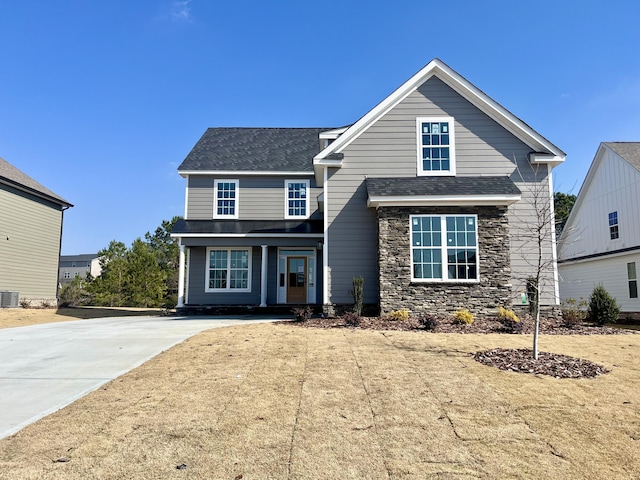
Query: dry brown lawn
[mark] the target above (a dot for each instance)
(21, 317)
(284, 402)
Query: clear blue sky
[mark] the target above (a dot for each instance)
(100, 101)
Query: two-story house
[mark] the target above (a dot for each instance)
(429, 197)
(600, 243)
(78, 266)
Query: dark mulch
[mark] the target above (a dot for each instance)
(553, 364)
(515, 360)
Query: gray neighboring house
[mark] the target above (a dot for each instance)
(31, 218)
(73, 266)
(429, 196)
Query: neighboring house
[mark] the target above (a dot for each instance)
(73, 266)
(429, 197)
(600, 243)
(30, 233)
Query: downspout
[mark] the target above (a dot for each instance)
(59, 253)
(325, 247)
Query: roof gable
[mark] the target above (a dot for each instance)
(12, 176)
(462, 86)
(274, 150)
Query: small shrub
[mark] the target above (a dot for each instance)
(603, 308)
(46, 304)
(574, 312)
(351, 318)
(509, 320)
(399, 315)
(302, 314)
(463, 317)
(429, 322)
(25, 303)
(357, 294)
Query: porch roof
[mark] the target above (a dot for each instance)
(441, 191)
(255, 228)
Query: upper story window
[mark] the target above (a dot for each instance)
(444, 248)
(296, 199)
(436, 146)
(226, 199)
(613, 225)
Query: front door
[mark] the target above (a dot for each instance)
(296, 279)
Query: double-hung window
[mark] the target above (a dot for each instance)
(296, 199)
(228, 270)
(613, 225)
(225, 193)
(444, 248)
(633, 280)
(436, 146)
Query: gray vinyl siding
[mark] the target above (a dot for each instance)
(388, 148)
(259, 198)
(30, 244)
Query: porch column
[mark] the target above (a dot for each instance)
(263, 277)
(181, 278)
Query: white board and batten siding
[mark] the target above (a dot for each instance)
(259, 198)
(388, 148)
(613, 185)
(29, 245)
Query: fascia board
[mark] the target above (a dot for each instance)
(243, 173)
(247, 235)
(441, 200)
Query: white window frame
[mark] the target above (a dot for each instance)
(236, 207)
(443, 250)
(228, 288)
(286, 199)
(614, 228)
(452, 147)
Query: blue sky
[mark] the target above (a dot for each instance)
(100, 101)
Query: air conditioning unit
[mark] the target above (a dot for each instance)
(9, 299)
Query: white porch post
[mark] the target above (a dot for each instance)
(181, 277)
(263, 277)
(325, 247)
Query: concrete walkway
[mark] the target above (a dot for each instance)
(45, 367)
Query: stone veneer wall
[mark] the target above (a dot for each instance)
(397, 291)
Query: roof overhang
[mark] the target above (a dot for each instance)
(244, 173)
(537, 158)
(376, 201)
(247, 235)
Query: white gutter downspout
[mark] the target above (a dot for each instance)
(325, 247)
(181, 276)
(263, 277)
(554, 252)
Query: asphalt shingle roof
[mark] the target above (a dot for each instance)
(247, 226)
(12, 175)
(426, 186)
(255, 149)
(630, 151)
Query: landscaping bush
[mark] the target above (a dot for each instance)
(463, 317)
(351, 318)
(509, 320)
(574, 312)
(603, 308)
(399, 315)
(428, 321)
(302, 314)
(358, 294)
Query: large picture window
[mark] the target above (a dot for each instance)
(296, 199)
(226, 199)
(444, 248)
(228, 270)
(436, 146)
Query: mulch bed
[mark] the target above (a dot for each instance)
(514, 360)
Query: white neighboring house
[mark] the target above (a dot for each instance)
(72, 266)
(600, 243)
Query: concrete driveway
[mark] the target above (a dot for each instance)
(45, 367)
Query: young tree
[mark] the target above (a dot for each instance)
(167, 254)
(109, 288)
(534, 237)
